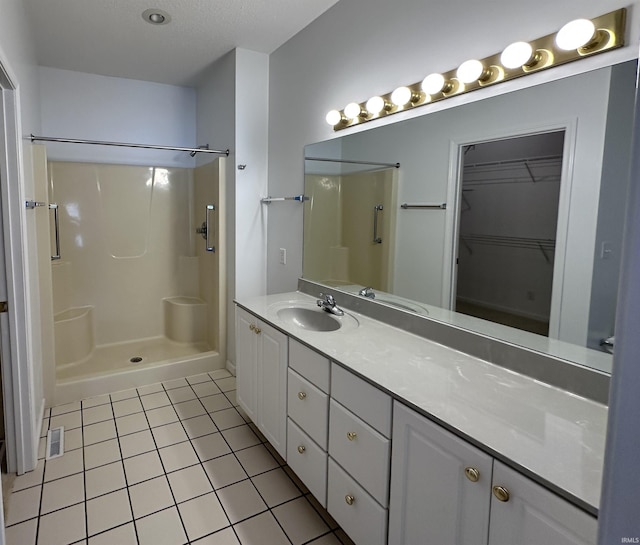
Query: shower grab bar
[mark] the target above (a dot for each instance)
(205, 230)
(210, 247)
(56, 222)
(376, 239)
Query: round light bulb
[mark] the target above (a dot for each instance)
(352, 110)
(375, 105)
(516, 55)
(470, 71)
(401, 96)
(334, 117)
(433, 84)
(575, 34)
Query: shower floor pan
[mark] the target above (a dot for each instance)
(110, 367)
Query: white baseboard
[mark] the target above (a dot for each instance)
(231, 367)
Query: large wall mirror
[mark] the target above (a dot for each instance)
(502, 216)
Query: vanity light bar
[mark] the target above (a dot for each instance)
(576, 40)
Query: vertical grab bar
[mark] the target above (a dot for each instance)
(210, 247)
(376, 239)
(56, 222)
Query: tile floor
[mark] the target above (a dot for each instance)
(167, 464)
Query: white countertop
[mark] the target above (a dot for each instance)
(556, 436)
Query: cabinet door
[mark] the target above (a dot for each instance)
(246, 362)
(432, 500)
(533, 515)
(272, 386)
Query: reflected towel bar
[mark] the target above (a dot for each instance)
(351, 162)
(442, 206)
(269, 200)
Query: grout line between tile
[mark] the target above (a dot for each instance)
(175, 504)
(202, 463)
(252, 484)
(126, 480)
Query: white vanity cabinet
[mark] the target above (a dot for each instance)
(533, 514)
(444, 490)
(359, 452)
(261, 373)
(308, 412)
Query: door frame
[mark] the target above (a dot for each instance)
(454, 197)
(21, 424)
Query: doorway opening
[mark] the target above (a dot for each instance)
(508, 218)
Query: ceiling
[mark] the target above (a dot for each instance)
(109, 37)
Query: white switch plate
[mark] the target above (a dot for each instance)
(606, 250)
(283, 256)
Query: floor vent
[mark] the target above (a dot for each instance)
(55, 443)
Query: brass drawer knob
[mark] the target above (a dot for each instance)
(302, 395)
(257, 330)
(501, 493)
(349, 499)
(351, 435)
(301, 449)
(472, 474)
(252, 327)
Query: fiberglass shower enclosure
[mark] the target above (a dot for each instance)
(136, 289)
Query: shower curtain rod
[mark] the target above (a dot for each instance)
(395, 165)
(126, 145)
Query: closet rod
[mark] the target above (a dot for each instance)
(125, 145)
(394, 165)
(507, 162)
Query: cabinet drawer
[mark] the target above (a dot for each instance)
(310, 464)
(364, 520)
(361, 450)
(308, 407)
(362, 399)
(311, 365)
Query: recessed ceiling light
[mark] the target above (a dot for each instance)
(156, 16)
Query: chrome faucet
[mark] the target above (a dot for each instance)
(329, 304)
(367, 292)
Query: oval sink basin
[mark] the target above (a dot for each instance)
(306, 318)
(397, 304)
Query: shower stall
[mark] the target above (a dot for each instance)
(136, 269)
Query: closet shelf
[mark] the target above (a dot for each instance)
(544, 245)
(531, 170)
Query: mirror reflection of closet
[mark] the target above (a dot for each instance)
(507, 230)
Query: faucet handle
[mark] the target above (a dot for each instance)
(367, 292)
(327, 297)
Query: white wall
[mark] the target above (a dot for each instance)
(252, 107)
(18, 58)
(613, 198)
(91, 107)
(216, 124)
(232, 105)
(360, 48)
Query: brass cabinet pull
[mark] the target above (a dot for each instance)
(472, 474)
(301, 449)
(501, 493)
(351, 435)
(257, 330)
(349, 499)
(252, 327)
(301, 395)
